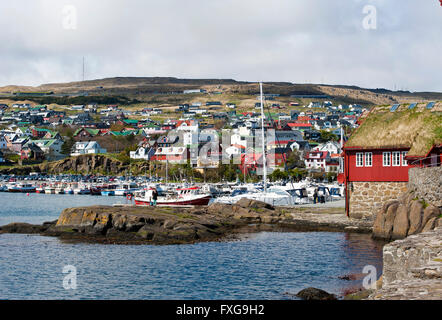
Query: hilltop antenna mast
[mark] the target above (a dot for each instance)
(83, 68)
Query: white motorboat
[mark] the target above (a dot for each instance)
(126, 188)
(50, 190)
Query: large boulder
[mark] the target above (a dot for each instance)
(220, 209)
(315, 294)
(389, 220)
(430, 225)
(383, 224)
(416, 212)
(401, 223)
(430, 212)
(254, 204)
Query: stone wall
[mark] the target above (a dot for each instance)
(426, 184)
(366, 198)
(412, 268)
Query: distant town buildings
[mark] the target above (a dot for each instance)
(189, 136)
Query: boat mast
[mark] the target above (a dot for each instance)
(263, 140)
(341, 162)
(167, 169)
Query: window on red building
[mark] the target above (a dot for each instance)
(359, 159)
(396, 159)
(386, 159)
(368, 159)
(404, 162)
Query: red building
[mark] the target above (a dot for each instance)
(388, 164)
(378, 155)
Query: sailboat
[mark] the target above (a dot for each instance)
(274, 196)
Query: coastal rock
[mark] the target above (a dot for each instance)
(407, 216)
(254, 204)
(389, 220)
(119, 222)
(162, 225)
(430, 224)
(134, 223)
(146, 233)
(383, 224)
(401, 223)
(220, 208)
(412, 268)
(430, 212)
(359, 295)
(315, 294)
(416, 212)
(23, 228)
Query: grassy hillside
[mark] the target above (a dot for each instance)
(166, 91)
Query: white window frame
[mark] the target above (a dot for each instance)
(359, 159)
(368, 156)
(396, 158)
(404, 162)
(386, 156)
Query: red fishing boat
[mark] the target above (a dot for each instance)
(192, 196)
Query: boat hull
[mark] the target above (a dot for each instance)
(201, 201)
(22, 190)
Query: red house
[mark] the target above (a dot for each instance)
(378, 155)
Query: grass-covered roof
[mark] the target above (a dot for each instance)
(418, 129)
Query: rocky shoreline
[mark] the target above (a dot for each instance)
(161, 225)
(412, 268)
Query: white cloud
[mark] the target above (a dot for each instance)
(280, 40)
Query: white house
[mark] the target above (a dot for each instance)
(87, 147)
(154, 131)
(79, 107)
(316, 160)
(143, 153)
(332, 147)
(238, 139)
(175, 155)
(314, 105)
(299, 146)
(23, 131)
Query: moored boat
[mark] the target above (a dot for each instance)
(126, 188)
(182, 197)
(50, 190)
(40, 189)
(59, 190)
(22, 188)
(107, 192)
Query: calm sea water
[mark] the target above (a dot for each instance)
(262, 266)
(38, 208)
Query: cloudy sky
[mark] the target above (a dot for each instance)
(314, 41)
